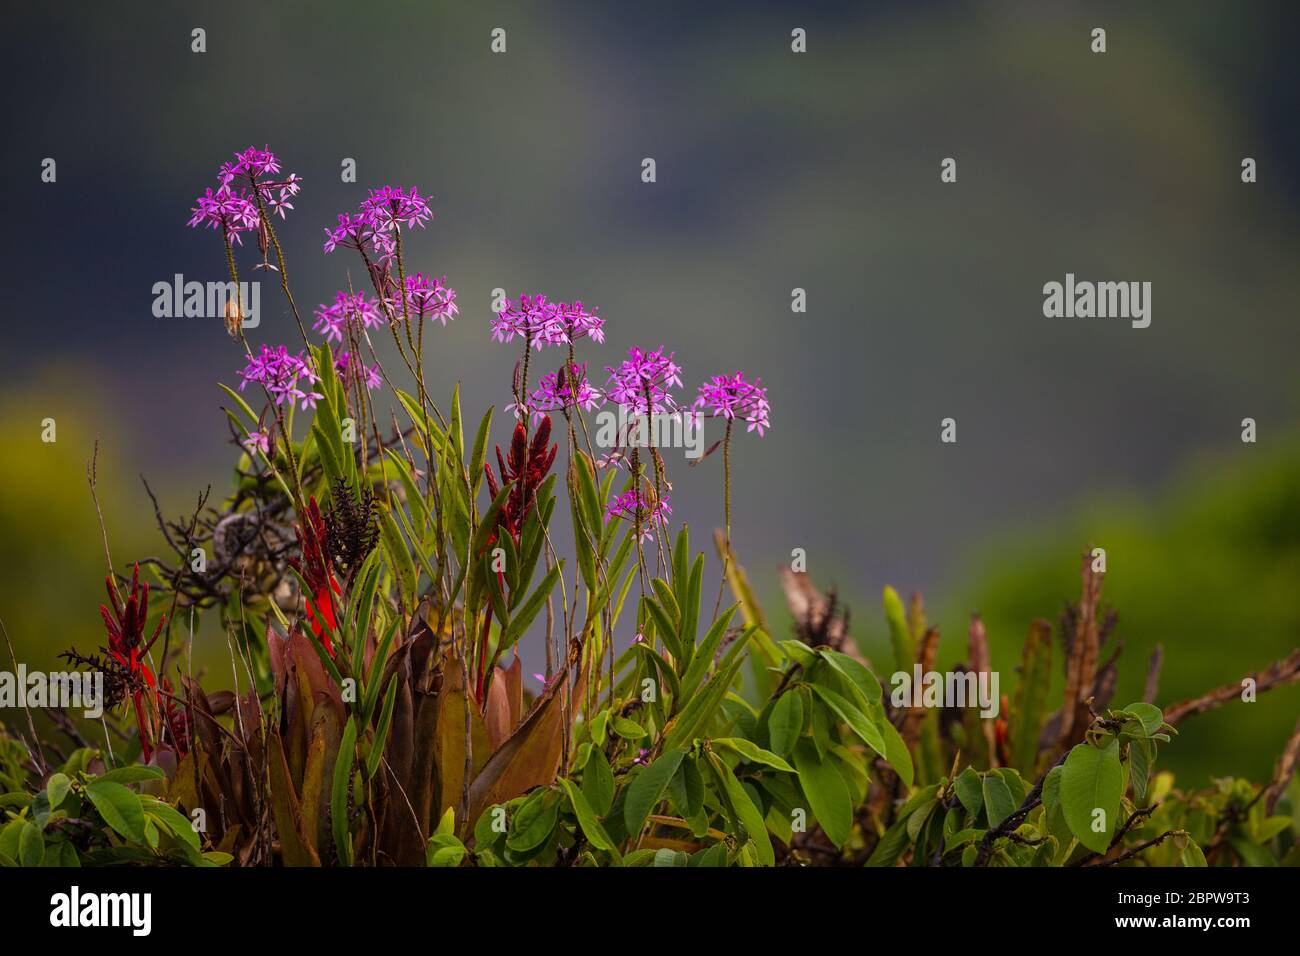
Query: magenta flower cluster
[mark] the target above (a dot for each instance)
(566, 387)
(625, 506)
(224, 208)
(354, 308)
(541, 323)
(391, 208)
(373, 230)
(427, 298)
(641, 382)
(232, 206)
(253, 164)
(279, 372)
(731, 397)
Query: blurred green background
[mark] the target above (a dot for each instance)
(775, 171)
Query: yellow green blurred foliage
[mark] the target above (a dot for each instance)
(1208, 566)
(54, 558)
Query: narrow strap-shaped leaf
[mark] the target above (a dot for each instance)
(339, 793)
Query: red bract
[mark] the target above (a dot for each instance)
(178, 729)
(316, 568)
(126, 623)
(127, 647)
(526, 466)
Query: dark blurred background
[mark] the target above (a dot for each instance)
(775, 170)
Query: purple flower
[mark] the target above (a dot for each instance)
(257, 441)
(392, 208)
(369, 374)
(558, 391)
(223, 208)
(332, 320)
(544, 323)
(625, 506)
(524, 317)
(254, 163)
(731, 397)
(641, 757)
(641, 381)
(374, 228)
(278, 372)
(427, 298)
(359, 231)
(565, 323)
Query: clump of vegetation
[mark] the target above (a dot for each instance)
(375, 576)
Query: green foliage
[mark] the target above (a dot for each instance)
(1205, 566)
(376, 601)
(86, 815)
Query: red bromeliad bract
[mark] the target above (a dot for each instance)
(126, 621)
(526, 467)
(317, 570)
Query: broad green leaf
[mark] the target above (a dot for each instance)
(598, 782)
(826, 791)
(627, 729)
(648, 789)
(891, 845)
(1052, 788)
(785, 722)
(970, 791)
(687, 789)
(1149, 714)
(1141, 755)
(799, 652)
(588, 820)
(133, 774)
(56, 789)
(998, 801)
(753, 753)
(896, 753)
(750, 817)
(534, 821)
(31, 845)
(856, 719)
(444, 850)
(119, 807)
(1192, 855)
(176, 822)
(1091, 786)
(857, 673)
